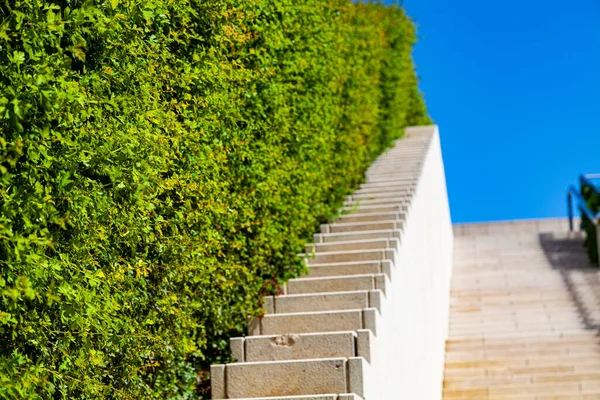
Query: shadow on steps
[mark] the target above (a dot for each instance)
(568, 257)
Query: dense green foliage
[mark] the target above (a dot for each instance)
(591, 195)
(162, 163)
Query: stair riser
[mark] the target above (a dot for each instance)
(351, 396)
(403, 159)
(377, 202)
(305, 346)
(388, 188)
(391, 177)
(352, 245)
(382, 195)
(361, 226)
(382, 185)
(361, 235)
(351, 320)
(287, 378)
(354, 218)
(337, 257)
(356, 300)
(336, 284)
(375, 267)
(361, 210)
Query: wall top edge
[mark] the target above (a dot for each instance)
(511, 221)
(511, 227)
(416, 131)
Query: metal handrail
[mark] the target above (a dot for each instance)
(581, 203)
(574, 192)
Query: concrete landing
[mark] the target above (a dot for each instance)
(524, 314)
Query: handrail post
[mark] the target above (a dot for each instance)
(570, 211)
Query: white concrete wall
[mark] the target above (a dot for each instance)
(408, 361)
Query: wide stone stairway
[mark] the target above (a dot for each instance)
(525, 314)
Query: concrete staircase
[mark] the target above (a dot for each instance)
(319, 340)
(377, 318)
(525, 314)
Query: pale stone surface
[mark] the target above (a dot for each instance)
(371, 217)
(354, 300)
(341, 269)
(315, 397)
(382, 195)
(355, 375)
(348, 256)
(407, 182)
(514, 227)
(364, 226)
(236, 345)
(370, 319)
(254, 327)
(217, 381)
(353, 244)
(360, 235)
(375, 299)
(385, 188)
(323, 321)
(358, 209)
(365, 340)
(336, 284)
(269, 305)
(524, 312)
(390, 201)
(303, 346)
(287, 378)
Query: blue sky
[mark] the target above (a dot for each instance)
(515, 87)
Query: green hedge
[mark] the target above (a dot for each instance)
(591, 196)
(162, 163)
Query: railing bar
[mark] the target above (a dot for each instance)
(583, 205)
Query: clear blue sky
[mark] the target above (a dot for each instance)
(515, 87)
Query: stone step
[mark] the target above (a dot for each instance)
(358, 235)
(321, 321)
(351, 268)
(303, 346)
(392, 177)
(396, 153)
(397, 194)
(377, 185)
(508, 379)
(361, 226)
(351, 396)
(534, 344)
(288, 378)
(405, 201)
(335, 301)
(412, 181)
(398, 187)
(348, 256)
(337, 284)
(348, 245)
(392, 173)
(382, 208)
(370, 217)
(522, 388)
(393, 167)
(400, 156)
